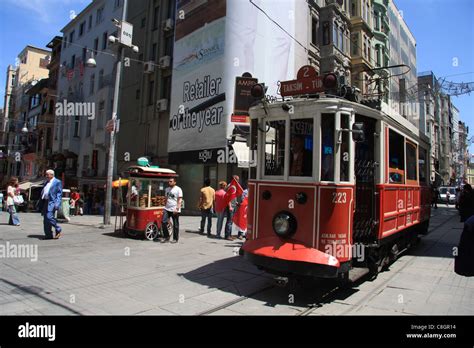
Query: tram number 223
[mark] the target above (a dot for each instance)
(339, 197)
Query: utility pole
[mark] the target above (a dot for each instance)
(124, 40)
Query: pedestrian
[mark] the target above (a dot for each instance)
(51, 197)
(221, 207)
(233, 191)
(174, 197)
(464, 261)
(241, 220)
(448, 196)
(466, 202)
(11, 208)
(75, 196)
(434, 197)
(206, 204)
(458, 196)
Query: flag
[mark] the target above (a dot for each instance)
(240, 217)
(233, 191)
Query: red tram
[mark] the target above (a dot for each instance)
(321, 201)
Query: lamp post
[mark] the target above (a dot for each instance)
(125, 31)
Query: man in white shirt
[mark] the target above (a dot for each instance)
(174, 197)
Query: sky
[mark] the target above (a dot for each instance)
(443, 29)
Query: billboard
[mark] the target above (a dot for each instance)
(215, 42)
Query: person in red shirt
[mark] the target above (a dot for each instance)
(75, 197)
(221, 207)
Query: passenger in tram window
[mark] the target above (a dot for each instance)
(327, 164)
(301, 158)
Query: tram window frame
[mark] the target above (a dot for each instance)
(308, 154)
(324, 133)
(422, 166)
(253, 148)
(344, 144)
(396, 157)
(411, 164)
(281, 172)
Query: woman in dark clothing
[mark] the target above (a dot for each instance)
(464, 261)
(466, 202)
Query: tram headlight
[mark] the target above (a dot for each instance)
(284, 224)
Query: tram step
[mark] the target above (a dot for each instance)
(357, 273)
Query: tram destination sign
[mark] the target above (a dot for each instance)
(307, 82)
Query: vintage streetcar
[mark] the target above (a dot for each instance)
(146, 199)
(336, 185)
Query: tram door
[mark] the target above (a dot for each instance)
(365, 216)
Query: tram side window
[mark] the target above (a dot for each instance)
(327, 147)
(344, 170)
(396, 158)
(301, 154)
(411, 161)
(422, 165)
(253, 149)
(275, 148)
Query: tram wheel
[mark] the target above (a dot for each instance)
(151, 231)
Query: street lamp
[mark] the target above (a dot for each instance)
(125, 40)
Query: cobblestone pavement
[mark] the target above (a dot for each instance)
(96, 271)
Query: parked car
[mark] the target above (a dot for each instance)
(452, 194)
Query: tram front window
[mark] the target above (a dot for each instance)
(301, 154)
(275, 148)
(327, 147)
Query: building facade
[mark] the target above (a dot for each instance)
(85, 95)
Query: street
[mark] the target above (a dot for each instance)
(92, 271)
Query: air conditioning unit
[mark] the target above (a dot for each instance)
(162, 105)
(149, 67)
(165, 62)
(168, 25)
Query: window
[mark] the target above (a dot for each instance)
(92, 84)
(88, 128)
(90, 23)
(71, 37)
(101, 78)
(77, 126)
(156, 17)
(327, 147)
(96, 45)
(341, 39)
(275, 148)
(411, 161)
(165, 88)
(151, 88)
(314, 31)
(326, 33)
(117, 4)
(153, 52)
(85, 162)
(100, 118)
(100, 16)
(301, 150)
(396, 160)
(335, 30)
(81, 28)
(143, 22)
(84, 55)
(64, 42)
(344, 149)
(169, 42)
(422, 165)
(137, 94)
(73, 61)
(104, 40)
(355, 44)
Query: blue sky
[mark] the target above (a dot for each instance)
(443, 29)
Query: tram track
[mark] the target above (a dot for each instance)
(326, 294)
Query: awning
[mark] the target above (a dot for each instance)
(27, 184)
(242, 152)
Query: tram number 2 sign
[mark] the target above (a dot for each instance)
(339, 197)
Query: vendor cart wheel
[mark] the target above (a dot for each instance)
(151, 231)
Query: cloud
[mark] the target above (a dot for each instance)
(48, 11)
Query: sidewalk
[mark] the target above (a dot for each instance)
(421, 282)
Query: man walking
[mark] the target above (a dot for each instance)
(206, 203)
(174, 197)
(221, 207)
(50, 202)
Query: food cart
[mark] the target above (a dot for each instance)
(146, 200)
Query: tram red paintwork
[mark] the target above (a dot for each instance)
(326, 219)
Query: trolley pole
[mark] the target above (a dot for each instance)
(124, 40)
